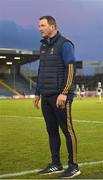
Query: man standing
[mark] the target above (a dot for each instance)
(55, 86)
(99, 91)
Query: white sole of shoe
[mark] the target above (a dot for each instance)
(70, 177)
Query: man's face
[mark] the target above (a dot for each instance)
(45, 29)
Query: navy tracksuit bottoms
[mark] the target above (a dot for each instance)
(55, 118)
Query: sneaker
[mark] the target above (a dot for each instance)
(72, 171)
(52, 168)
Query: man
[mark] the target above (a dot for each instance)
(78, 91)
(99, 91)
(83, 93)
(55, 86)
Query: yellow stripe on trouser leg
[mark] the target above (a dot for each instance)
(72, 135)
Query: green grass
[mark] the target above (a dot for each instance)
(24, 140)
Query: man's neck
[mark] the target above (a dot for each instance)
(53, 34)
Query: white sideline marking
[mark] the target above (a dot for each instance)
(83, 121)
(37, 170)
(8, 116)
(39, 117)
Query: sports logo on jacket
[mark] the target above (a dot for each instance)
(52, 51)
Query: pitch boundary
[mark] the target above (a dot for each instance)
(39, 117)
(37, 170)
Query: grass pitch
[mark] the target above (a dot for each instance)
(24, 140)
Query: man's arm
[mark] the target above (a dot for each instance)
(37, 95)
(68, 57)
(70, 76)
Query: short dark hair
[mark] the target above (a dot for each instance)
(51, 20)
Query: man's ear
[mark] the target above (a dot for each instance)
(52, 27)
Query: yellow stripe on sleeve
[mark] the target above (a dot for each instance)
(69, 79)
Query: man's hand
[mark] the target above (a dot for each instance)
(36, 101)
(61, 100)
